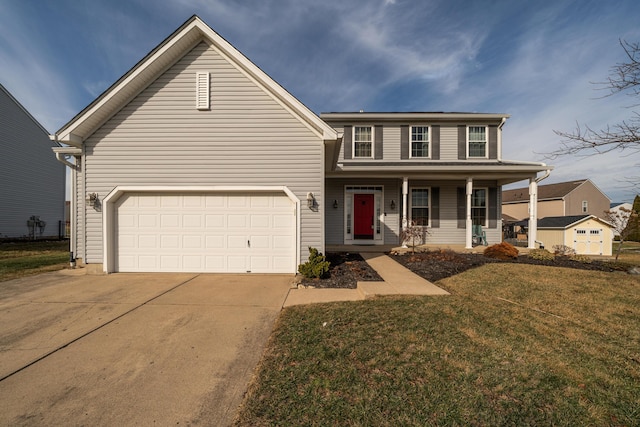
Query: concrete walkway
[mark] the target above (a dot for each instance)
(398, 280)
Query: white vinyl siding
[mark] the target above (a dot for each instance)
(32, 180)
(246, 139)
(448, 143)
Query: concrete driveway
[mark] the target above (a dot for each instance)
(132, 349)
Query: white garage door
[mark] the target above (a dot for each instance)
(217, 233)
(588, 241)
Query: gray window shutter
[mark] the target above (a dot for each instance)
(493, 142)
(404, 142)
(435, 142)
(493, 207)
(378, 136)
(435, 207)
(462, 208)
(462, 142)
(346, 141)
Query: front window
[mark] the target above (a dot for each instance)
(419, 141)
(479, 207)
(363, 141)
(477, 141)
(420, 206)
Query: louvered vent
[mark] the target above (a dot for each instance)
(202, 91)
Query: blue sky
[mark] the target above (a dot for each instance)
(535, 60)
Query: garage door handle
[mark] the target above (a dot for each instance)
(248, 243)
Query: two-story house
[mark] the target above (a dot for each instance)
(32, 182)
(579, 197)
(197, 161)
(443, 171)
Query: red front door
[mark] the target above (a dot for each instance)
(363, 216)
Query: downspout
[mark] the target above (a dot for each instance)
(61, 156)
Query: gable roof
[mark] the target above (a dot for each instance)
(185, 38)
(562, 222)
(545, 192)
(24, 110)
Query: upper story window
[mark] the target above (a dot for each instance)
(420, 141)
(420, 206)
(585, 206)
(477, 140)
(363, 141)
(479, 206)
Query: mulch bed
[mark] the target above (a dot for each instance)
(349, 268)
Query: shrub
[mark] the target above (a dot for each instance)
(541, 254)
(317, 267)
(563, 250)
(501, 251)
(582, 258)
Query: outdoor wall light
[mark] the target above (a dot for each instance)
(311, 200)
(335, 204)
(393, 205)
(92, 198)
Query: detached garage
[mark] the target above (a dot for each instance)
(586, 234)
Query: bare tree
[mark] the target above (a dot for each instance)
(624, 222)
(623, 78)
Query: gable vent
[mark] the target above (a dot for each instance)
(202, 91)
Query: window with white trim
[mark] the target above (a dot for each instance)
(585, 206)
(420, 141)
(477, 141)
(419, 206)
(363, 141)
(479, 206)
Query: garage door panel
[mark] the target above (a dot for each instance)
(205, 233)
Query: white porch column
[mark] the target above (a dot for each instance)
(533, 213)
(469, 222)
(405, 193)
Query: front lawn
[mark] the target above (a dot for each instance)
(514, 344)
(19, 259)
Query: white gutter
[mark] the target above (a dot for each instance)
(61, 156)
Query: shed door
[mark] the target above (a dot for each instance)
(211, 233)
(588, 241)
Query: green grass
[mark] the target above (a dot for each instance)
(512, 345)
(27, 258)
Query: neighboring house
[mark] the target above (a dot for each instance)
(33, 183)
(579, 197)
(615, 209)
(196, 160)
(586, 234)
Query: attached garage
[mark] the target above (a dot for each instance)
(586, 234)
(201, 231)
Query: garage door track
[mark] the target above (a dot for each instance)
(132, 349)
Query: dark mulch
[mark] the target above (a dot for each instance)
(437, 265)
(347, 269)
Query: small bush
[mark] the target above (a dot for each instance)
(502, 251)
(563, 250)
(317, 267)
(541, 254)
(582, 258)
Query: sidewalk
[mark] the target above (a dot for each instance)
(398, 280)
